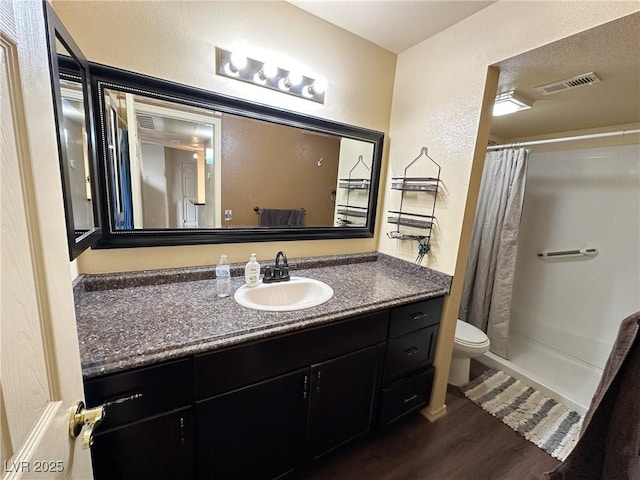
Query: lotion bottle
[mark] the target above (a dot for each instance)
(252, 272)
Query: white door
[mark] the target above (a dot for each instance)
(189, 194)
(40, 374)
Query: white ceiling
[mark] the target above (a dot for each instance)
(392, 24)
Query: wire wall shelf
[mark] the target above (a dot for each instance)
(415, 184)
(352, 211)
(354, 183)
(352, 215)
(421, 224)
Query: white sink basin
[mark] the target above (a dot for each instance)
(296, 294)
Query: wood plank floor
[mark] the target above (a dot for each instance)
(466, 444)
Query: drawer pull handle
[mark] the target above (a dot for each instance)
(411, 398)
(123, 399)
(411, 351)
(305, 386)
(419, 316)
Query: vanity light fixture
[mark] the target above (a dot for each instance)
(510, 102)
(265, 74)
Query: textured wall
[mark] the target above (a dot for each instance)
(438, 88)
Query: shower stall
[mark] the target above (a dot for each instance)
(566, 307)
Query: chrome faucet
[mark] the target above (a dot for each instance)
(279, 272)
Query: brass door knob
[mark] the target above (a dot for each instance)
(81, 417)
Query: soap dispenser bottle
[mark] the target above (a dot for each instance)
(252, 272)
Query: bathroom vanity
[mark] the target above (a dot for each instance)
(200, 387)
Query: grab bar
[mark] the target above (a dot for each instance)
(585, 250)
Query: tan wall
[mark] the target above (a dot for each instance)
(176, 41)
(278, 168)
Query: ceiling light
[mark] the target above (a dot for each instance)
(510, 102)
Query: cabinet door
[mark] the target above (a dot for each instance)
(157, 448)
(255, 432)
(342, 399)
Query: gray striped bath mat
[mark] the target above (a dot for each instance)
(540, 419)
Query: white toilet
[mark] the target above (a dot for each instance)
(469, 342)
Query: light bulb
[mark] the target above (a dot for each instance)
(294, 78)
(237, 61)
(291, 80)
(319, 86)
(269, 70)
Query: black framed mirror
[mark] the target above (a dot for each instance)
(181, 165)
(75, 130)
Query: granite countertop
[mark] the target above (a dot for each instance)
(135, 319)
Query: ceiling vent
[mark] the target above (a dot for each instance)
(146, 122)
(568, 83)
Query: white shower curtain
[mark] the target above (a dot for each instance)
(488, 283)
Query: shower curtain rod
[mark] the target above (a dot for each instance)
(564, 139)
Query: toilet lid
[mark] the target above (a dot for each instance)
(468, 334)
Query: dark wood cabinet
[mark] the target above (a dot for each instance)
(343, 391)
(265, 409)
(254, 432)
(157, 448)
(408, 371)
(255, 420)
(230, 368)
(148, 429)
(270, 429)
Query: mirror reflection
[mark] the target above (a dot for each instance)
(75, 141)
(177, 166)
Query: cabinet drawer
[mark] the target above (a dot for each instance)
(410, 351)
(405, 397)
(161, 388)
(415, 316)
(224, 370)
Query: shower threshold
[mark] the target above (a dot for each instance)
(559, 376)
